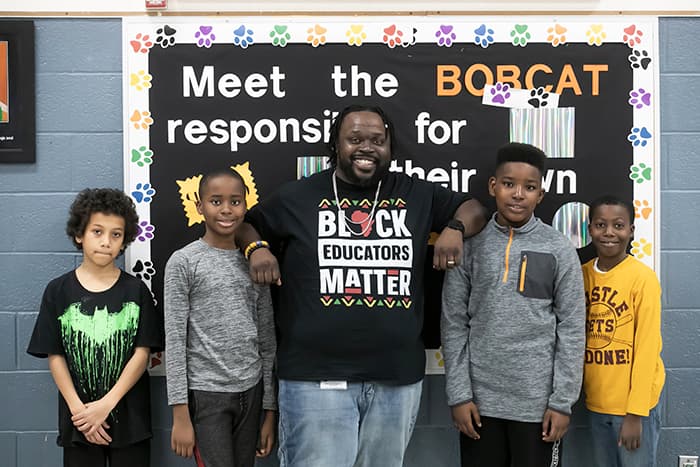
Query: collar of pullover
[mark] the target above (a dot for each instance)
(529, 226)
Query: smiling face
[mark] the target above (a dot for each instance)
(517, 187)
(611, 231)
(363, 149)
(102, 240)
(223, 206)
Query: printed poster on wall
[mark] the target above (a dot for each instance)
(258, 95)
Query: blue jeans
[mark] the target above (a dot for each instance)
(605, 431)
(366, 425)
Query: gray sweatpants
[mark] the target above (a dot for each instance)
(226, 426)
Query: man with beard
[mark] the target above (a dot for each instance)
(352, 245)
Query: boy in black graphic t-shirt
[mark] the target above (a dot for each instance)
(97, 325)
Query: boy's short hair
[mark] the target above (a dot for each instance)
(335, 128)
(204, 181)
(106, 201)
(611, 200)
(521, 152)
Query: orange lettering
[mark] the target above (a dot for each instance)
(448, 75)
(450, 82)
(469, 82)
(529, 82)
(595, 77)
(512, 76)
(568, 80)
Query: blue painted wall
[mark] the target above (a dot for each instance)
(79, 141)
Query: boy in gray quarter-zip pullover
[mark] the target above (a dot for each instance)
(513, 331)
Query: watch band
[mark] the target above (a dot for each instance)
(456, 224)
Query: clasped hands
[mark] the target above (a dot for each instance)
(91, 421)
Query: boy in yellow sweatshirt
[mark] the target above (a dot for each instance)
(623, 372)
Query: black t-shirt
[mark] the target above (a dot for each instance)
(97, 332)
(351, 302)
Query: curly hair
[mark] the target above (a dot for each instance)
(335, 128)
(106, 201)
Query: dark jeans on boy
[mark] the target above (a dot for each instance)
(93, 455)
(506, 443)
(226, 426)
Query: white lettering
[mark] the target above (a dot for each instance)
(561, 177)
(254, 85)
(385, 85)
(439, 131)
(456, 179)
(326, 224)
(389, 253)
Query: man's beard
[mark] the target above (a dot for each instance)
(344, 166)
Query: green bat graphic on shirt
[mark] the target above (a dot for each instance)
(98, 346)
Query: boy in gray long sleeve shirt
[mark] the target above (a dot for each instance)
(220, 338)
(513, 326)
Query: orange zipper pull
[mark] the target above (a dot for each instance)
(523, 268)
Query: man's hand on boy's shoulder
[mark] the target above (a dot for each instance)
(448, 249)
(554, 425)
(466, 419)
(264, 268)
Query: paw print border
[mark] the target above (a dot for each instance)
(142, 37)
(516, 32)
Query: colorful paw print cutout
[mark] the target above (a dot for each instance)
(279, 35)
(356, 34)
(632, 35)
(165, 36)
(639, 137)
(243, 36)
(642, 209)
(414, 32)
(596, 35)
(143, 193)
(539, 97)
(500, 93)
(556, 35)
(483, 36)
(639, 59)
(316, 35)
(140, 80)
(641, 248)
(640, 173)
(520, 35)
(145, 231)
(392, 36)
(205, 36)
(141, 43)
(142, 156)
(143, 269)
(639, 98)
(141, 119)
(445, 35)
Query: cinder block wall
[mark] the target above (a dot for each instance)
(79, 140)
(680, 244)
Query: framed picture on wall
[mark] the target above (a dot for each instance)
(17, 99)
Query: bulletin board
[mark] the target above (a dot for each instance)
(259, 94)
